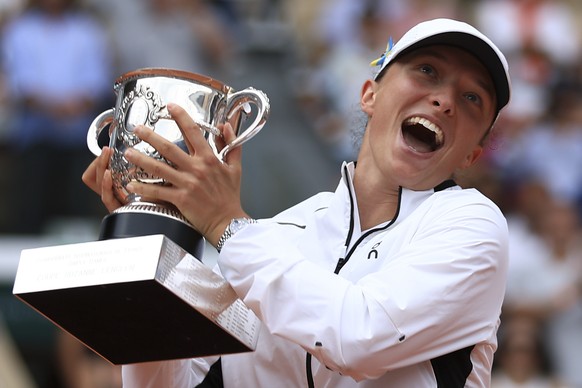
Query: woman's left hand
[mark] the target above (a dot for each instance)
(204, 189)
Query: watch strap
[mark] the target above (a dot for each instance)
(234, 226)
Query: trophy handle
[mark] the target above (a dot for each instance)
(241, 100)
(101, 121)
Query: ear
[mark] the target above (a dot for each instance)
(472, 157)
(368, 96)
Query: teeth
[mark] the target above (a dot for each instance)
(428, 125)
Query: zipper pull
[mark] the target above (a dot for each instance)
(340, 264)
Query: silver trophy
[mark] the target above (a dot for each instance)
(142, 96)
(141, 293)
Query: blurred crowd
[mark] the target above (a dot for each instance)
(59, 59)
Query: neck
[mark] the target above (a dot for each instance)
(376, 202)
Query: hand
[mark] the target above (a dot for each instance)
(98, 178)
(205, 190)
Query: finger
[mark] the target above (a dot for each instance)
(228, 133)
(224, 139)
(234, 156)
(94, 173)
(103, 164)
(107, 196)
(89, 176)
(104, 159)
(151, 192)
(192, 133)
(166, 148)
(153, 166)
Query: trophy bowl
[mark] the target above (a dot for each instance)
(141, 99)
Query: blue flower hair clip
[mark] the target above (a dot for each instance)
(380, 61)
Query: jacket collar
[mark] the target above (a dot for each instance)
(409, 199)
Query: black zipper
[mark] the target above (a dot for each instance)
(342, 261)
(310, 383)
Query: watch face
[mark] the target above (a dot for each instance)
(237, 224)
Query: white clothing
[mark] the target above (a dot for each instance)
(427, 284)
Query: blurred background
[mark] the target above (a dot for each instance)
(58, 62)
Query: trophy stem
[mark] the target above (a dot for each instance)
(135, 224)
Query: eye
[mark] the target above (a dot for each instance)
(427, 69)
(473, 97)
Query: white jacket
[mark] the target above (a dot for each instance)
(412, 302)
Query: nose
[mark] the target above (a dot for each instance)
(443, 102)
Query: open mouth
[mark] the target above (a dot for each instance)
(422, 135)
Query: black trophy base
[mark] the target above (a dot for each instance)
(134, 224)
(136, 299)
(133, 322)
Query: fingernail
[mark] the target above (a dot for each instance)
(171, 107)
(130, 187)
(129, 152)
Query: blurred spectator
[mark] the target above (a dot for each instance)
(548, 286)
(524, 214)
(329, 94)
(302, 17)
(57, 70)
(416, 11)
(339, 21)
(559, 140)
(7, 9)
(187, 35)
(532, 74)
(562, 283)
(532, 34)
(522, 360)
(550, 150)
(539, 25)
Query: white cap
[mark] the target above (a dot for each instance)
(455, 33)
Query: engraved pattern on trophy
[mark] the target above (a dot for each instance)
(141, 106)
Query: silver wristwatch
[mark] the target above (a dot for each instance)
(234, 226)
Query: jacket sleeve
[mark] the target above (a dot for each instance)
(167, 374)
(440, 291)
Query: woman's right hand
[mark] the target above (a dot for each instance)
(98, 178)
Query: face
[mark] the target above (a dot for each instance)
(427, 117)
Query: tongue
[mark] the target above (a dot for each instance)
(417, 144)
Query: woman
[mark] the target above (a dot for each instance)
(394, 280)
